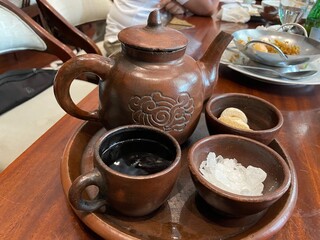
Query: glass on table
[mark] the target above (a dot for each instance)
(291, 11)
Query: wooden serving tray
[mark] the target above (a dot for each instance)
(185, 215)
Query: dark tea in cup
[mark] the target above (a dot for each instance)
(136, 167)
(138, 157)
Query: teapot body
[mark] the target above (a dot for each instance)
(166, 95)
(151, 81)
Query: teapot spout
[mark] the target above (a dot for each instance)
(209, 62)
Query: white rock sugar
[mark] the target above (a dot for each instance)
(231, 176)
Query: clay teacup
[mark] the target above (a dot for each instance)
(135, 170)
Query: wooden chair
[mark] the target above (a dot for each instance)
(20, 32)
(23, 124)
(63, 17)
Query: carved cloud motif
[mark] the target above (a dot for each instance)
(162, 112)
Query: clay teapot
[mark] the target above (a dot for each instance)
(151, 81)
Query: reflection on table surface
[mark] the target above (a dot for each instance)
(34, 206)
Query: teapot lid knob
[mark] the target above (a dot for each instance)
(154, 37)
(154, 19)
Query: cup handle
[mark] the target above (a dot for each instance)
(79, 185)
(70, 70)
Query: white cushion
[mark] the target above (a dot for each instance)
(77, 12)
(16, 34)
(41, 112)
(18, 3)
(24, 124)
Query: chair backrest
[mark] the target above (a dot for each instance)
(21, 32)
(62, 17)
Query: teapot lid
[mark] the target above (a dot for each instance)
(153, 37)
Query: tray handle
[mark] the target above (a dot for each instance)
(305, 33)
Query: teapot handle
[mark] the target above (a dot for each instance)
(72, 69)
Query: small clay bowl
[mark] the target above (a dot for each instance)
(269, 11)
(264, 119)
(247, 152)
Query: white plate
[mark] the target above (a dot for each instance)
(232, 56)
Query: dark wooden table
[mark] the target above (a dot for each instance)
(32, 201)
